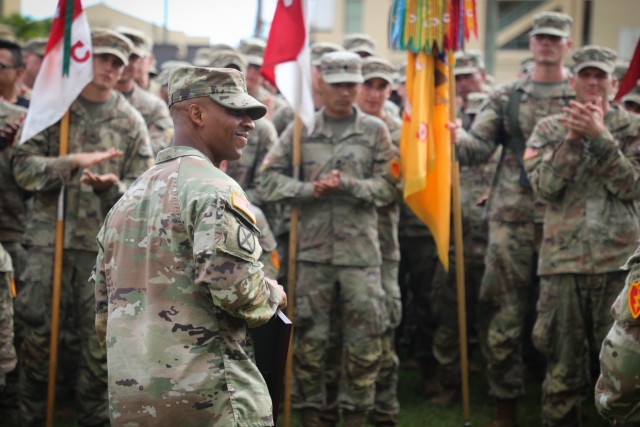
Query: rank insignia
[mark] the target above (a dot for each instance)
(246, 239)
(634, 299)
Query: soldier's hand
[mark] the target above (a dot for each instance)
(583, 119)
(99, 182)
(283, 297)
(8, 133)
(87, 160)
(328, 185)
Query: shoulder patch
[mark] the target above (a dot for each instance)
(394, 168)
(246, 239)
(530, 153)
(633, 299)
(243, 205)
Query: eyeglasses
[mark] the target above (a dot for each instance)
(6, 67)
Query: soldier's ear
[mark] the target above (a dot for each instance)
(195, 114)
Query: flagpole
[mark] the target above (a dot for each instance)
(292, 268)
(57, 280)
(459, 252)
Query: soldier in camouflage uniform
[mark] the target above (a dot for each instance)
(515, 215)
(8, 357)
(13, 217)
(109, 136)
(346, 175)
(32, 55)
(360, 44)
(631, 100)
(585, 163)
(378, 80)
(143, 47)
(618, 387)
(154, 112)
(177, 278)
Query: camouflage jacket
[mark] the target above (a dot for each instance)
(13, 210)
(282, 118)
(591, 224)
(155, 114)
(245, 169)
(177, 282)
(37, 168)
(618, 387)
(8, 357)
(342, 228)
(509, 200)
(269, 257)
(389, 216)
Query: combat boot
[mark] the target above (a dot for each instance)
(354, 418)
(506, 414)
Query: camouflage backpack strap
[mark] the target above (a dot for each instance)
(515, 141)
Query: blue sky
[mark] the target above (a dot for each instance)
(223, 21)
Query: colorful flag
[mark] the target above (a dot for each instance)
(287, 58)
(425, 148)
(66, 68)
(632, 76)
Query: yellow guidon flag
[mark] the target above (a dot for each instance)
(425, 147)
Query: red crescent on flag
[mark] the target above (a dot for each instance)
(79, 45)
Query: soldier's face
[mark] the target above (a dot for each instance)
(373, 93)
(548, 49)
(128, 73)
(226, 131)
(632, 106)
(469, 83)
(253, 78)
(32, 64)
(339, 98)
(592, 83)
(9, 73)
(107, 70)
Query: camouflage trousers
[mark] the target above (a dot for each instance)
(430, 301)
(573, 311)
(360, 298)
(77, 312)
(506, 295)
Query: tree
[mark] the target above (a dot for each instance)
(26, 28)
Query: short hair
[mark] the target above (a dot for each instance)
(16, 53)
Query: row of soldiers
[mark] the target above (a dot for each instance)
(363, 259)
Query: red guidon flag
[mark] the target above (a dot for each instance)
(287, 58)
(66, 68)
(632, 76)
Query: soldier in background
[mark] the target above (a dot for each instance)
(631, 101)
(11, 71)
(620, 69)
(195, 264)
(470, 77)
(585, 163)
(8, 357)
(32, 53)
(154, 112)
(143, 48)
(618, 387)
(378, 80)
(163, 77)
(13, 219)
(107, 135)
(361, 44)
(515, 214)
(346, 175)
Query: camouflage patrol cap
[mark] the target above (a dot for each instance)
(142, 45)
(634, 95)
(598, 57)
(228, 59)
(474, 102)
(253, 49)
(359, 43)
(223, 86)
(374, 66)
(36, 46)
(620, 69)
(221, 46)
(113, 43)
(341, 67)
(552, 23)
(202, 57)
(468, 62)
(319, 49)
(166, 68)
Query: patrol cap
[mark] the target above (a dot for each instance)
(253, 49)
(374, 66)
(359, 43)
(552, 23)
(228, 59)
(620, 69)
(165, 70)
(634, 95)
(142, 45)
(468, 62)
(320, 48)
(221, 46)
(223, 86)
(341, 67)
(202, 56)
(9, 44)
(36, 46)
(598, 57)
(474, 102)
(111, 42)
